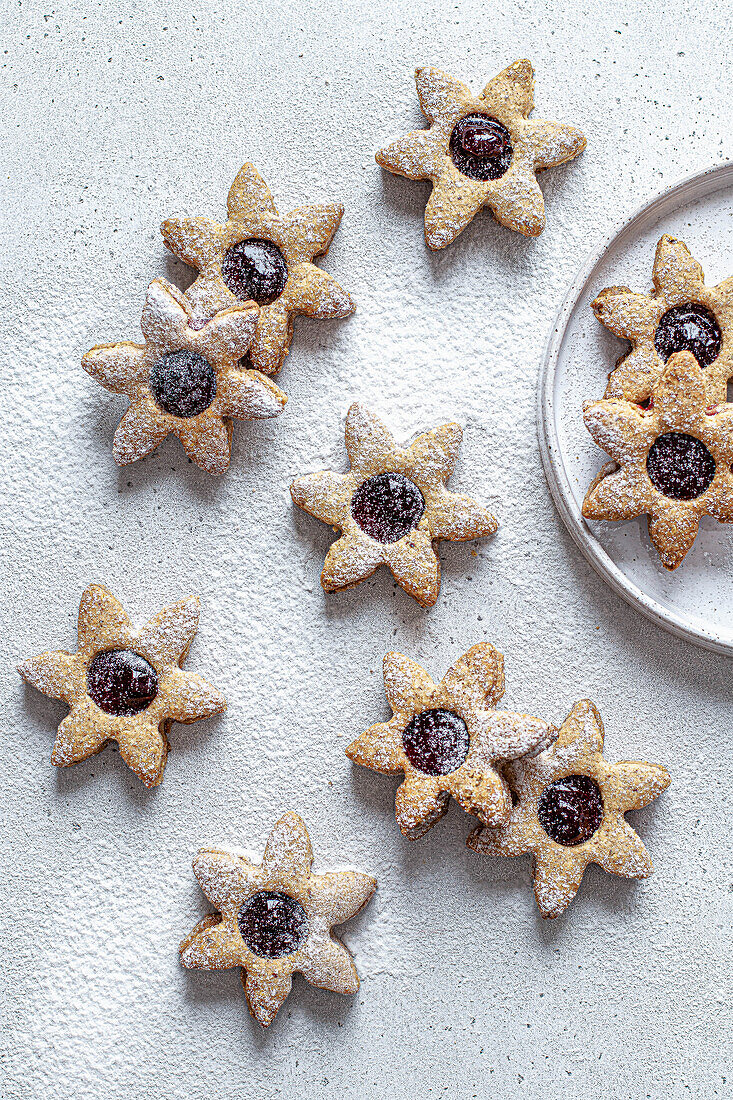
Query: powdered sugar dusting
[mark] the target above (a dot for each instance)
(301, 236)
(221, 340)
(446, 516)
(180, 696)
(229, 880)
(474, 683)
(678, 279)
(678, 404)
(515, 199)
(614, 846)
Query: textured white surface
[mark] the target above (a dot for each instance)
(121, 114)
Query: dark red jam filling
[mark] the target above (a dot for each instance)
(272, 924)
(436, 742)
(480, 147)
(255, 270)
(387, 506)
(183, 383)
(680, 466)
(689, 327)
(571, 809)
(121, 682)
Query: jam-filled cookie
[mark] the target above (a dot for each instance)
(392, 506)
(681, 314)
(672, 459)
(274, 919)
(185, 379)
(124, 685)
(569, 811)
(265, 257)
(447, 739)
(481, 151)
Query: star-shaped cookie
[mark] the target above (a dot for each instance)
(275, 919)
(265, 256)
(570, 811)
(681, 314)
(392, 506)
(447, 739)
(124, 685)
(672, 460)
(185, 379)
(481, 151)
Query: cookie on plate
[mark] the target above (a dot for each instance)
(681, 314)
(392, 506)
(447, 739)
(185, 379)
(569, 811)
(274, 919)
(671, 460)
(124, 685)
(481, 151)
(263, 256)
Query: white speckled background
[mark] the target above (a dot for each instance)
(120, 114)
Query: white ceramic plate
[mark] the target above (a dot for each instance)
(696, 600)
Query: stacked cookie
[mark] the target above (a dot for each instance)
(255, 273)
(665, 420)
(533, 788)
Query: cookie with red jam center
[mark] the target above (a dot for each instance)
(123, 684)
(568, 811)
(274, 919)
(671, 458)
(392, 507)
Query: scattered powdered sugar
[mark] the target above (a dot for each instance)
(613, 845)
(678, 279)
(514, 198)
(301, 236)
(427, 463)
(229, 879)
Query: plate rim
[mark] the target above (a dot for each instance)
(557, 481)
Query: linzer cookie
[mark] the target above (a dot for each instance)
(124, 685)
(185, 379)
(274, 919)
(392, 506)
(672, 460)
(264, 256)
(569, 811)
(481, 151)
(447, 739)
(681, 314)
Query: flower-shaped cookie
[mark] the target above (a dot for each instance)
(570, 812)
(681, 314)
(261, 255)
(391, 506)
(185, 379)
(672, 461)
(124, 685)
(275, 920)
(481, 151)
(447, 738)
